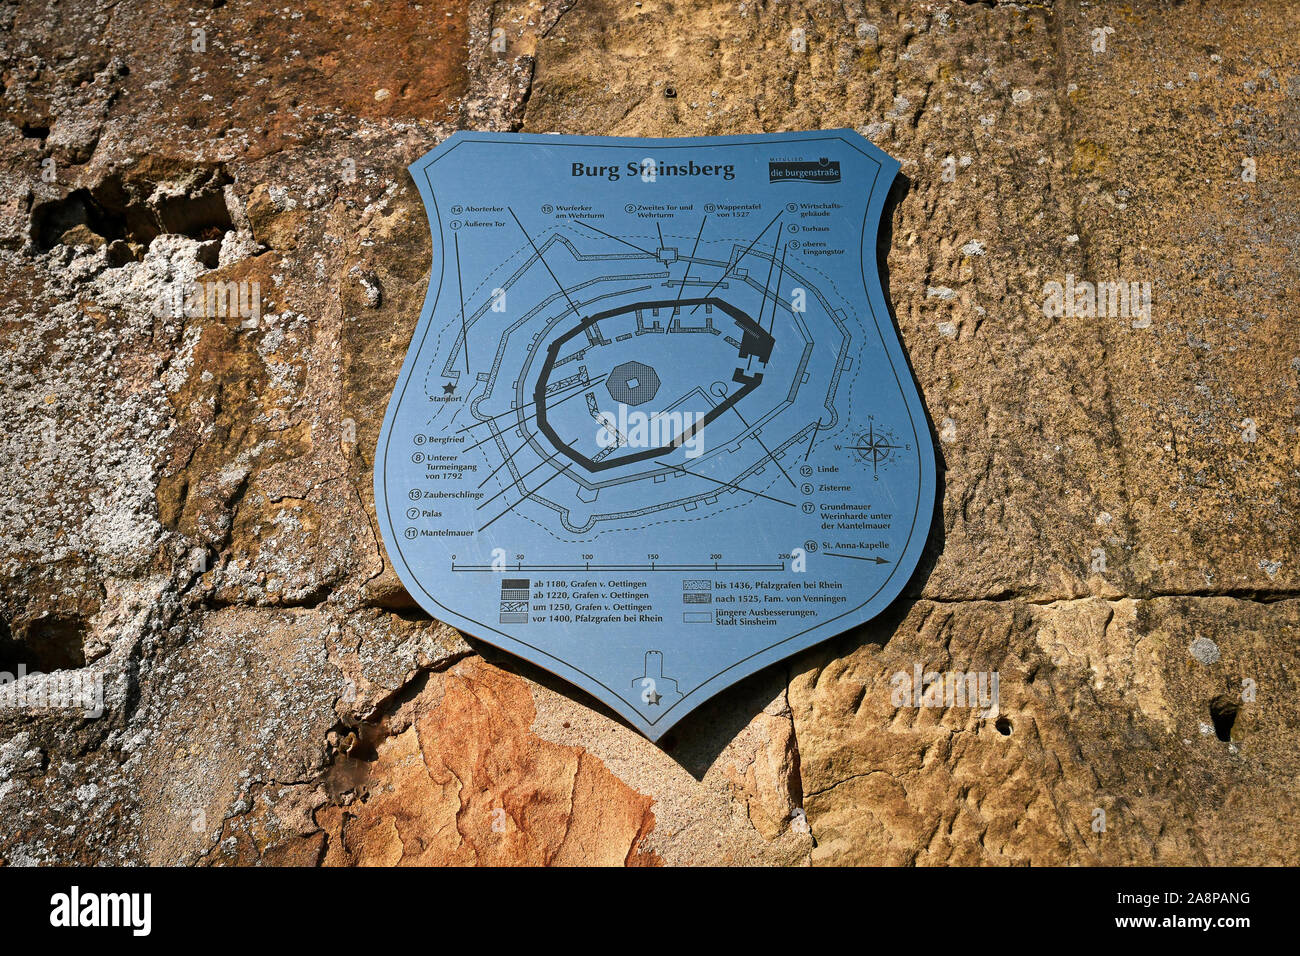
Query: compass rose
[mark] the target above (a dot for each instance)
(875, 447)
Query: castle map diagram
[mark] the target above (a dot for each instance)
(655, 429)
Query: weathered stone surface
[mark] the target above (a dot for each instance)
(462, 779)
(188, 509)
(1205, 400)
(1102, 706)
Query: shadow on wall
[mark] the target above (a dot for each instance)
(934, 544)
(45, 644)
(130, 207)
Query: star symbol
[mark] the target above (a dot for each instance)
(449, 388)
(653, 699)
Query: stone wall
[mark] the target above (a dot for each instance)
(188, 515)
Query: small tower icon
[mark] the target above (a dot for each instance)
(656, 690)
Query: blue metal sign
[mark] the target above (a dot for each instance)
(655, 429)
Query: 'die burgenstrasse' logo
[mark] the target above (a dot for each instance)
(822, 171)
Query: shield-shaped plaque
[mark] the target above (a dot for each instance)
(655, 429)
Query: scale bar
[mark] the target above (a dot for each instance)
(619, 567)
